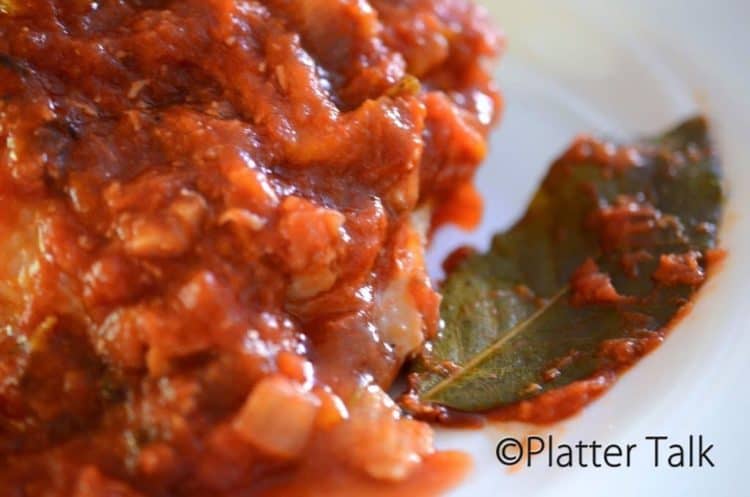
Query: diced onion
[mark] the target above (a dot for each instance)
(278, 417)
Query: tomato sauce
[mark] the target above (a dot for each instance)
(210, 265)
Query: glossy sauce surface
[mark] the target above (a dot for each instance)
(210, 260)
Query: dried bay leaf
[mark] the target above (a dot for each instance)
(612, 246)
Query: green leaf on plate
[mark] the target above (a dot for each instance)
(612, 246)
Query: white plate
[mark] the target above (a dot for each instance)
(624, 68)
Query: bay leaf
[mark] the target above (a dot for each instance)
(514, 324)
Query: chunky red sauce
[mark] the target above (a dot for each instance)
(210, 265)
